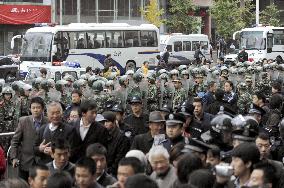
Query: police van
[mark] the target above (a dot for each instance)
(181, 47)
(54, 72)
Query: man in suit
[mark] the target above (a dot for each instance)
(145, 141)
(87, 130)
(22, 152)
(53, 130)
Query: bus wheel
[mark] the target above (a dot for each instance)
(130, 65)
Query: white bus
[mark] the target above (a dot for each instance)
(88, 44)
(182, 47)
(261, 42)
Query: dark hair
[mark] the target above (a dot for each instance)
(197, 99)
(136, 165)
(37, 100)
(211, 84)
(275, 101)
(260, 95)
(33, 170)
(43, 71)
(78, 92)
(88, 163)
(247, 152)
(186, 165)
(87, 105)
(215, 152)
(176, 151)
(231, 84)
(59, 144)
(263, 136)
(219, 94)
(276, 85)
(140, 181)
(108, 55)
(59, 180)
(88, 69)
(96, 149)
(269, 172)
(202, 178)
(14, 183)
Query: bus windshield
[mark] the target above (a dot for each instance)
(253, 40)
(36, 47)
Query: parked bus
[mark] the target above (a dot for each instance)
(182, 47)
(88, 44)
(261, 42)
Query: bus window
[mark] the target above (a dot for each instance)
(278, 37)
(177, 46)
(61, 40)
(115, 39)
(148, 38)
(96, 39)
(78, 40)
(186, 46)
(131, 39)
(194, 43)
(169, 48)
(204, 45)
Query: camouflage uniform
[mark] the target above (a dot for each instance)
(178, 97)
(244, 99)
(24, 106)
(264, 87)
(198, 88)
(100, 99)
(152, 99)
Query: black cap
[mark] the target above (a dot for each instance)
(256, 110)
(117, 108)
(166, 108)
(173, 119)
(196, 146)
(109, 116)
(186, 110)
(135, 99)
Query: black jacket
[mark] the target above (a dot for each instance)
(96, 134)
(70, 168)
(64, 131)
(143, 142)
(105, 179)
(138, 125)
(118, 146)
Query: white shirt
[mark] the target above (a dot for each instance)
(52, 127)
(83, 129)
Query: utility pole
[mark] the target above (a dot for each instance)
(60, 10)
(257, 12)
(78, 11)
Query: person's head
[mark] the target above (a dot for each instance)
(38, 176)
(174, 130)
(244, 156)
(109, 120)
(219, 94)
(156, 122)
(186, 165)
(140, 181)
(43, 72)
(98, 153)
(136, 107)
(228, 86)
(89, 110)
(212, 86)
(59, 180)
(198, 106)
(14, 183)
(176, 153)
(127, 167)
(60, 152)
(275, 101)
(108, 56)
(89, 70)
(258, 98)
(202, 178)
(74, 114)
(159, 159)
(263, 175)
(37, 107)
(263, 144)
(138, 154)
(146, 64)
(76, 96)
(54, 112)
(213, 157)
(85, 172)
(275, 87)
(177, 84)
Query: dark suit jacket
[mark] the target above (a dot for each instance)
(64, 131)
(143, 142)
(96, 134)
(70, 168)
(23, 141)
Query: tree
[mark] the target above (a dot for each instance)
(180, 18)
(153, 14)
(230, 17)
(270, 15)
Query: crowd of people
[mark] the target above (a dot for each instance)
(191, 126)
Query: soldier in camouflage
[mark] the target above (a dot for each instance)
(179, 94)
(25, 100)
(244, 99)
(9, 114)
(60, 86)
(249, 84)
(152, 99)
(135, 90)
(99, 96)
(264, 85)
(199, 88)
